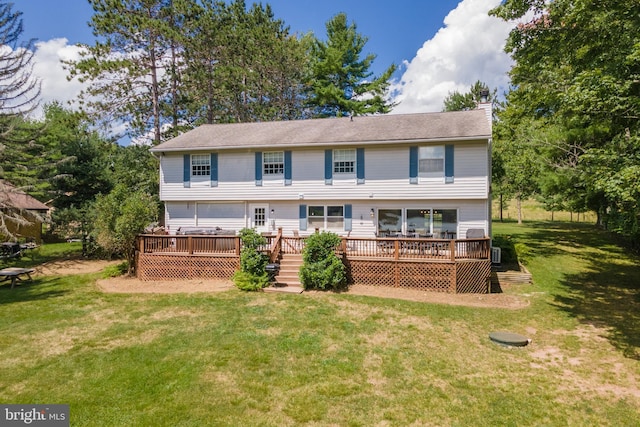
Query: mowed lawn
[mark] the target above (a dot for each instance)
(260, 359)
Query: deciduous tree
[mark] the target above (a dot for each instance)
(577, 64)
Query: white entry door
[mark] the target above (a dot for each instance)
(259, 217)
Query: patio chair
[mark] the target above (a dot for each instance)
(475, 233)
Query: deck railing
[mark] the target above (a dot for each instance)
(352, 247)
(189, 244)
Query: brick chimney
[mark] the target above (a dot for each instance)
(486, 105)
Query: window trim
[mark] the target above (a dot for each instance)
(340, 169)
(438, 153)
(200, 165)
(326, 217)
(273, 168)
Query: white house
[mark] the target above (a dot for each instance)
(413, 174)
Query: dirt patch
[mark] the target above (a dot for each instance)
(73, 266)
(132, 285)
(471, 300)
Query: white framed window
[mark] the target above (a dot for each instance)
(326, 217)
(316, 216)
(431, 161)
(273, 163)
(200, 165)
(344, 161)
(335, 217)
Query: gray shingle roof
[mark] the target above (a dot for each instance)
(11, 197)
(459, 125)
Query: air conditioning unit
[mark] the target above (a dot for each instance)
(496, 255)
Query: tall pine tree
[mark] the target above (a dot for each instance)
(340, 82)
(19, 93)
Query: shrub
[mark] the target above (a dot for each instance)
(250, 282)
(251, 276)
(321, 268)
(507, 247)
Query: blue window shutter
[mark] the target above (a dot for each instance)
(186, 171)
(328, 167)
(413, 165)
(287, 168)
(347, 218)
(214, 169)
(448, 163)
(258, 168)
(360, 165)
(303, 217)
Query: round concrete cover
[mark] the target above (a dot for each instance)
(509, 338)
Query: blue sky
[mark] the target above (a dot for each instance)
(439, 45)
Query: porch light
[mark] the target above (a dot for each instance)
(372, 213)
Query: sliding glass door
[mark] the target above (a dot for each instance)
(419, 222)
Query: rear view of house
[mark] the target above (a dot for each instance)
(422, 175)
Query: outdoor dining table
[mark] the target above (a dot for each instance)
(14, 273)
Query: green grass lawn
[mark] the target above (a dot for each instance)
(264, 359)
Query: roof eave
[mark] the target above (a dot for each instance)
(320, 144)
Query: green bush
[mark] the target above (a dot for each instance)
(252, 276)
(115, 270)
(250, 282)
(321, 268)
(507, 248)
(523, 253)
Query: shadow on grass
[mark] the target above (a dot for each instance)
(30, 290)
(605, 292)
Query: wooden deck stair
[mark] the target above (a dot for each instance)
(287, 279)
(289, 267)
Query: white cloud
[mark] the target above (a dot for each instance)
(468, 48)
(49, 69)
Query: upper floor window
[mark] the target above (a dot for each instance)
(273, 163)
(200, 165)
(431, 161)
(344, 161)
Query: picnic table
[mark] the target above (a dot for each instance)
(14, 273)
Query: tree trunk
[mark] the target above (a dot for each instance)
(519, 207)
(501, 206)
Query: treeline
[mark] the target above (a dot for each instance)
(568, 132)
(161, 66)
(158, 68)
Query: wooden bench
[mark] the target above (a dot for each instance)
(14, 273)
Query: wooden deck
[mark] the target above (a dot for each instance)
(446, 265)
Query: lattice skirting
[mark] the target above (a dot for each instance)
(473, 276)
(175, 267)
(461, 277)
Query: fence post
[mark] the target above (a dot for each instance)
(189, 245)
(452, 250)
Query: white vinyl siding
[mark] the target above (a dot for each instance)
(387, 169)
(235, 216)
